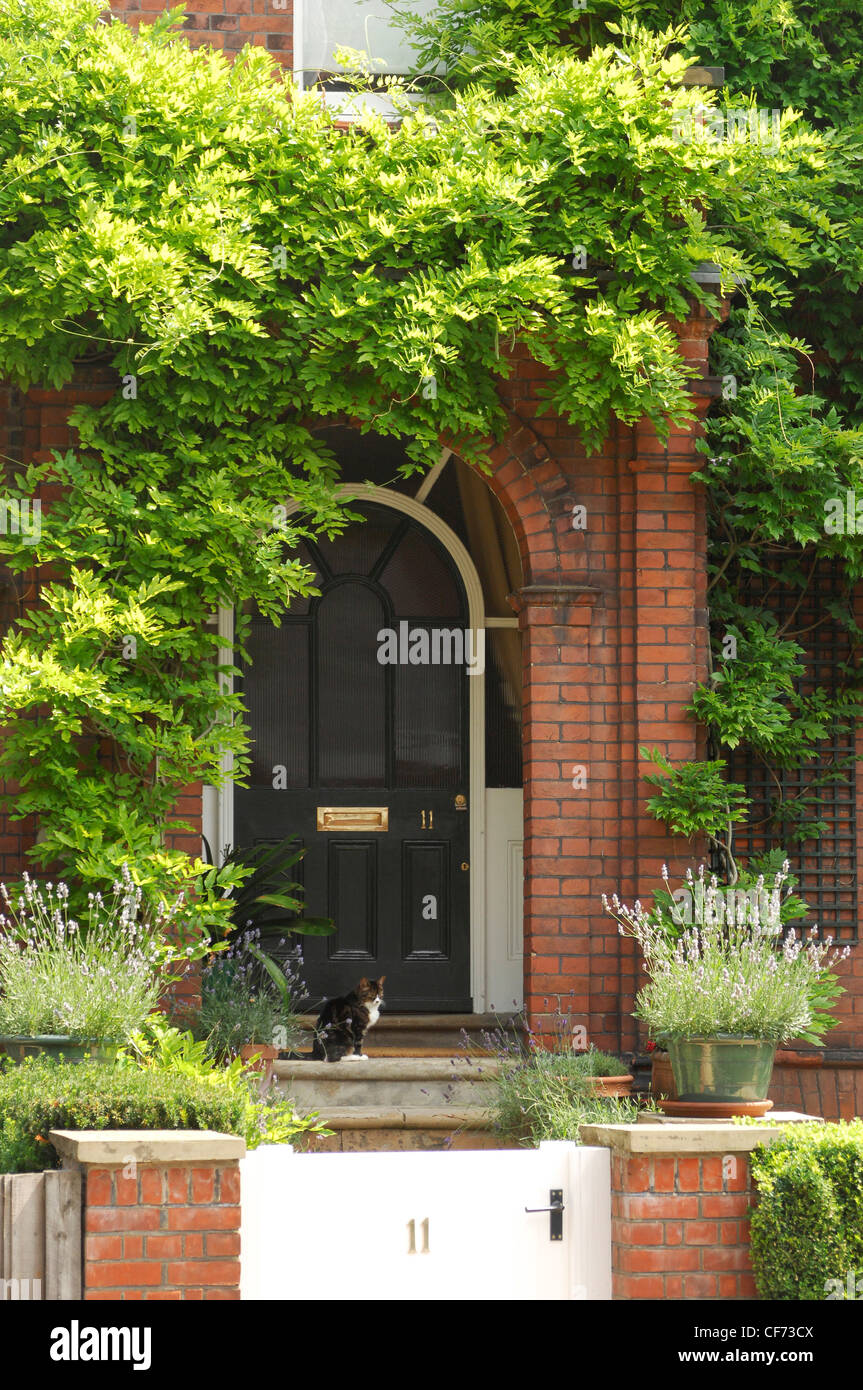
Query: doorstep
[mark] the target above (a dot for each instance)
(422, 1035)
(395, 1083)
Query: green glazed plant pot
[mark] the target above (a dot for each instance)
(721, 1068)
(55, 1045)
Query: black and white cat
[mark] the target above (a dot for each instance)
(343, 1023)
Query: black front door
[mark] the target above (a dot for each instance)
(358, 707)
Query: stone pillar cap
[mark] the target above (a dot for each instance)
(117, 1147)
(694, 1136)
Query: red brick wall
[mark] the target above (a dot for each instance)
(168, 1232)
(225, 24)
(679, 1226)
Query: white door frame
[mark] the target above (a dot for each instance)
(219, 803)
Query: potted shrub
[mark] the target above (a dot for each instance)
(75, 989)
(725, 990)
(545, 1095)
(602, 1073)
(539, 1086)
(247, 1005)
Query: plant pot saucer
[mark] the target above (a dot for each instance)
(714, 1109)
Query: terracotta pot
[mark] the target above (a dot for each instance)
(714, 1110)
(610, 1085)
(662, 1077)
(259, 1055)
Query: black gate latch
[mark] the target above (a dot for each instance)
(555, 1209)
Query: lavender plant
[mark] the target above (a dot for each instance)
(735, 969)
(241, 1002)
(94, 981)
(541, 1085)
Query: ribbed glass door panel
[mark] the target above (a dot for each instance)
(277, 700)
(428, 725)
(352, 706)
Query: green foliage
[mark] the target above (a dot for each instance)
(790, 441)
(266, 1118)
(236, 267)
(596, 1063)
(269, 899)
(39, 1095)
(756, 699)
(785, 441)
(694, 798)
(807, 1225)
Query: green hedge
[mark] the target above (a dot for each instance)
(807, 1228)
(40, 1095)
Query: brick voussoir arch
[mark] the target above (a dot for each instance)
(532, 489)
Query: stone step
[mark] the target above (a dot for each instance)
(376, 1129)
(423, 1083)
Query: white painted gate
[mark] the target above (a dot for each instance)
(398, 1226)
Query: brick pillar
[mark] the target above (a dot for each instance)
(680, 1202)
(667, 657)
(161, 1213)
(555, 621)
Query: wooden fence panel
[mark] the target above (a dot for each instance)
(40, 1235)
(63, 1235)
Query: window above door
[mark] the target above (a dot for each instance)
(323, 26)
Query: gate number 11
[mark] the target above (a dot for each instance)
(412, 1237)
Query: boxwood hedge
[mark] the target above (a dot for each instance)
(39, 1095)
(807, 1226)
